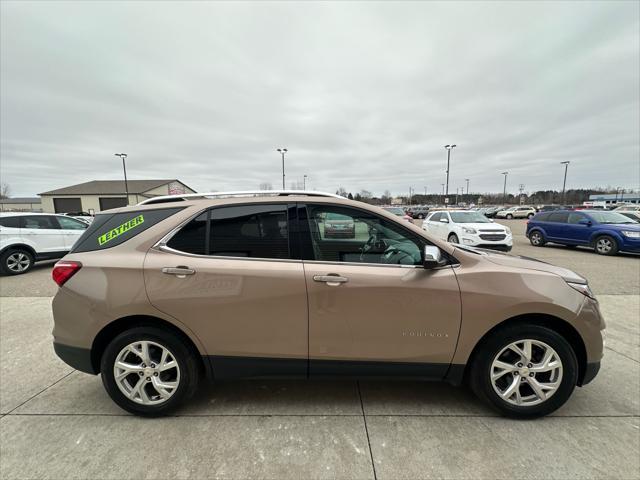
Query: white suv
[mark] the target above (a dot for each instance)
(469, 228)
(517, 212)
(26, 238)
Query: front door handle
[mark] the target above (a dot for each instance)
(179, 271)
(333, 280)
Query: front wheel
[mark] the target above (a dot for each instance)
(453, 238)
(525, 371)
(536, 239)
(149, 371)
(606, 245)
(16, 262)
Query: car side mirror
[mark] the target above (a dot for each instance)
(432, 257)
(444, 220)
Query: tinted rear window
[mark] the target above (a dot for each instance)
(559, 217)
(10, 222)
(109, 230)
(542, 217)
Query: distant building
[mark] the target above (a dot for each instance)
(21, 204)
(613, 198)
(99, 195)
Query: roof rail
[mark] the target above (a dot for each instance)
(241, 193)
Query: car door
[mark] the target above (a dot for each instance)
(44, 234)
(72, 230)
(555, 225)
(235, 278)
(433, 224)
(577, 229)
(376, 310)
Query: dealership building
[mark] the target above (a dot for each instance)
(614, 198)
(98, 195)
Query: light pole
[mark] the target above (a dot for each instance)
(504, 192)
(564, 183)
(449, 148)
(467, 180)
(304, 182)
(282, 152)
(442, 193)
(456, 195)
(425, 194)
(123, 156)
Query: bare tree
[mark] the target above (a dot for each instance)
(5, 190)
(365, 194)
(266, 186)
(341, 191)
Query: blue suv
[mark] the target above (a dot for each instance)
(605, 232)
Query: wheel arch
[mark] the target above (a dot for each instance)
(558, 325)
(115, 328)
(18, 246)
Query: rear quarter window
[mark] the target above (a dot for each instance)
(110, 230)
(10, 222)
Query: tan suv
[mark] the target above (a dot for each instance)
(154, 297)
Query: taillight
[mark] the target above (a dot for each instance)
(64, 270)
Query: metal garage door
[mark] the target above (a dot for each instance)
(107, 203)
(67, 205)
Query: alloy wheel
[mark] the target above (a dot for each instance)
(526, 372)
(536, 238)
(18, 262)
(604, 245)
(146, 372)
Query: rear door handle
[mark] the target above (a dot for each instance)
(332, 280)
(178, 271)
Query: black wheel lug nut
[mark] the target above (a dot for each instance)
(141, 374)
(155, 374)
(148, 379)
(532, 374)
(529, 365)
(519, 365)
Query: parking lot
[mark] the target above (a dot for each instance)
(58, 423)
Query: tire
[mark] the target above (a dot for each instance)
(420, 216)
(509, 217)
(537, 239)
(149, 403)
(530, 216)
(16, 261)
(453, 238)
(531, 405)
(605, 245)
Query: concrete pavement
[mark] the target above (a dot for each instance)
(58, 423)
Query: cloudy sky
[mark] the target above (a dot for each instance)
(364, 95)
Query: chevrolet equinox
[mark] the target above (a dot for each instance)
(157, 296)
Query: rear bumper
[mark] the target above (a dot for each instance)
(76, 357)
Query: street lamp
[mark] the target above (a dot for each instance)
(467, 180)
(564, 183)
(123, 156)
(304, 182)
(504, 192)
(442, 193)
(282, 152)
(449, 148)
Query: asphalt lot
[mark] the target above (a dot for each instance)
(58, 423)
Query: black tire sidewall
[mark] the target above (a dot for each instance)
(481, 368)
(5, 256)
(182, 353)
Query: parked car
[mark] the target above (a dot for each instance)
(418, 212)
(606, 232)
(155, 296)
(26, 238)
(549, 208)
(627, 208)
(490, 212)
(516, 212)
(633, 215)
(469, 228)
(82, 216)
(339, 226)
(399, 212)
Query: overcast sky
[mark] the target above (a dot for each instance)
(364, 95)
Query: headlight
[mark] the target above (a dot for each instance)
(508, 230)
(583, 288)
(469, 230)
(630, 234)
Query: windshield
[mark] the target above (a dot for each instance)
(468, 217)
(395, 211)
(610, 217)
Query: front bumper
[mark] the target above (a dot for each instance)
(471, 240)
(590, 372)
(76, 357)
(630, 245)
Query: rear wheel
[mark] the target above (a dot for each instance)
(16, 261)
(525, 371)
(536, 239)
(530, 216)
(509, 216)
(149, 371)
(453, 238)
(606, 245)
